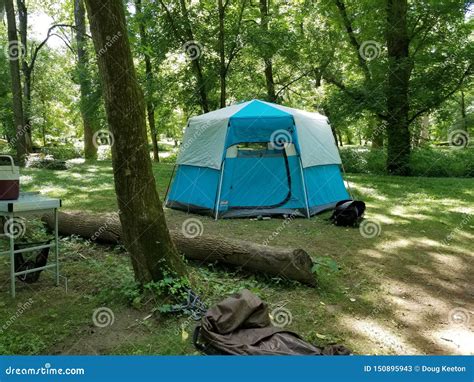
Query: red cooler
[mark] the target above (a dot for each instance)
(9, 179)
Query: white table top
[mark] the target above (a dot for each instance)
(29, 201)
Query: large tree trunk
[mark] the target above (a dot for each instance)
(294, 264)
(20, 137)
(87, 104)
(150, 107)
(267, 58)
(399, 65)
(23, 31)
(145, 233)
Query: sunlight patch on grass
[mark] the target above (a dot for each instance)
(379, 334)
(456, 340)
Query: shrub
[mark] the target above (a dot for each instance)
(426, 161)
(61, 152)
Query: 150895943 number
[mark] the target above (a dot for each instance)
(388, 368)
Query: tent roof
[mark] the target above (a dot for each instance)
(255, 109)
(205, 137)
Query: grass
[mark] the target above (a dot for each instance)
(391, 294)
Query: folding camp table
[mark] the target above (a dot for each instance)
(28, 203)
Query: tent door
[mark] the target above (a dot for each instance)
(261, 179)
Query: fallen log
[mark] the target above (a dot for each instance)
(294, 264)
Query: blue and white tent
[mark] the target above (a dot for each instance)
(257, 158)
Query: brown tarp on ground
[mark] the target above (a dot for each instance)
(240, 325)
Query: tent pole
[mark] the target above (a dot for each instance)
(219, 191)
(169, 184)
(348, 184)
(304, 189)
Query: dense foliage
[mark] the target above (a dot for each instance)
(195, 56)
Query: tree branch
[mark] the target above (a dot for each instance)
(172, 23)
(443, 98)
(352, 38)
(43, 43)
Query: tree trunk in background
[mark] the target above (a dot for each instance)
(378, 134)
(195, 62)
(398, 134)
(87, 103)
(221, 48)
(150, 107)
(23, 31)
(145, 232)
(463, 112)
(267, 59)
(2, 9)
(20, 137)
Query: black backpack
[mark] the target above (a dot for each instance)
(348, 213)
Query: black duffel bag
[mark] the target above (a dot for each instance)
(348, 213)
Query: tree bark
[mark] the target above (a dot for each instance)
(145, 233)
(87, 104)
(294, 264)
(399, 65)
(20, 137)
(267, 58)
(150, 107)
(25, 68)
